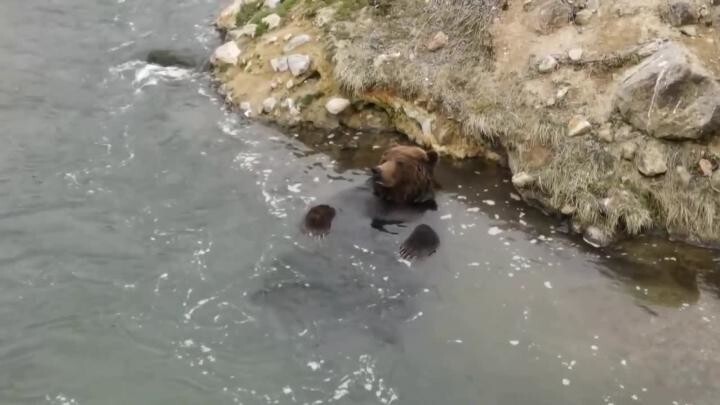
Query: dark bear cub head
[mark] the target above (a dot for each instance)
(405, 175)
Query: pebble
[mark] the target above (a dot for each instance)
(547, 64)
(336, 105)
(575, 54)
(578, 126)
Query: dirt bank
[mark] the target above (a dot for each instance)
(605, 111)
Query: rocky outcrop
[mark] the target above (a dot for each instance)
(600, 128)
(670, 96)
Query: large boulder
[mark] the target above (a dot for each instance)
(227, 53)
(670, 95)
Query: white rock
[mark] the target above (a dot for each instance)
(269, 105)
(279, 64)
(272, 20)
(298, 64)
(547, 64)
(583, 17)
(246, 31)
(336, 105)
(296, 41)
(289, 85)
(227, 53)
(271, 3)
(522, 179)
(578, 126)
(575, 54)
(651, 160)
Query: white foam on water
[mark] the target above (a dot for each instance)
(493, 231)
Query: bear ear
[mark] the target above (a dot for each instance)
(432, 157)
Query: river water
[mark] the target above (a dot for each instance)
(139, 218)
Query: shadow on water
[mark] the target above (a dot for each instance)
(652, 269)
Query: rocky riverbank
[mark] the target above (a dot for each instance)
(606, 112)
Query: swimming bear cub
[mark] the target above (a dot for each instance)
(400, 190)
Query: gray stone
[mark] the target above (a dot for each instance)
(651, 160)
(628, 150)
(248, 30)
(549, 15)
(439, 40)
(605, 134)
(578, 126)
(583, 17)
(296, 41)
(226, 53)
(271, 3)
(598, 237)
(522, 179)
(670, 95)
(547, 64)
(336, 105)
(689, 30)
(298, 64)
(272, 20)
(269, 105)
(279, 64)
(575, 54)
(680, 12)
(683, 175)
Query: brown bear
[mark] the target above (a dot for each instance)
(400, 190)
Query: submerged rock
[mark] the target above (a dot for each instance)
(670, 96)
(336, 105)
(651, 160)
(227, 53)
(166, 57)
(298, 64)
(597, 237)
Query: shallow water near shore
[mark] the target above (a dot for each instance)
(140, 217)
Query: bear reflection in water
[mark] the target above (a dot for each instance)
(353, 276)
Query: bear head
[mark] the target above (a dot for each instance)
(405, 175)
